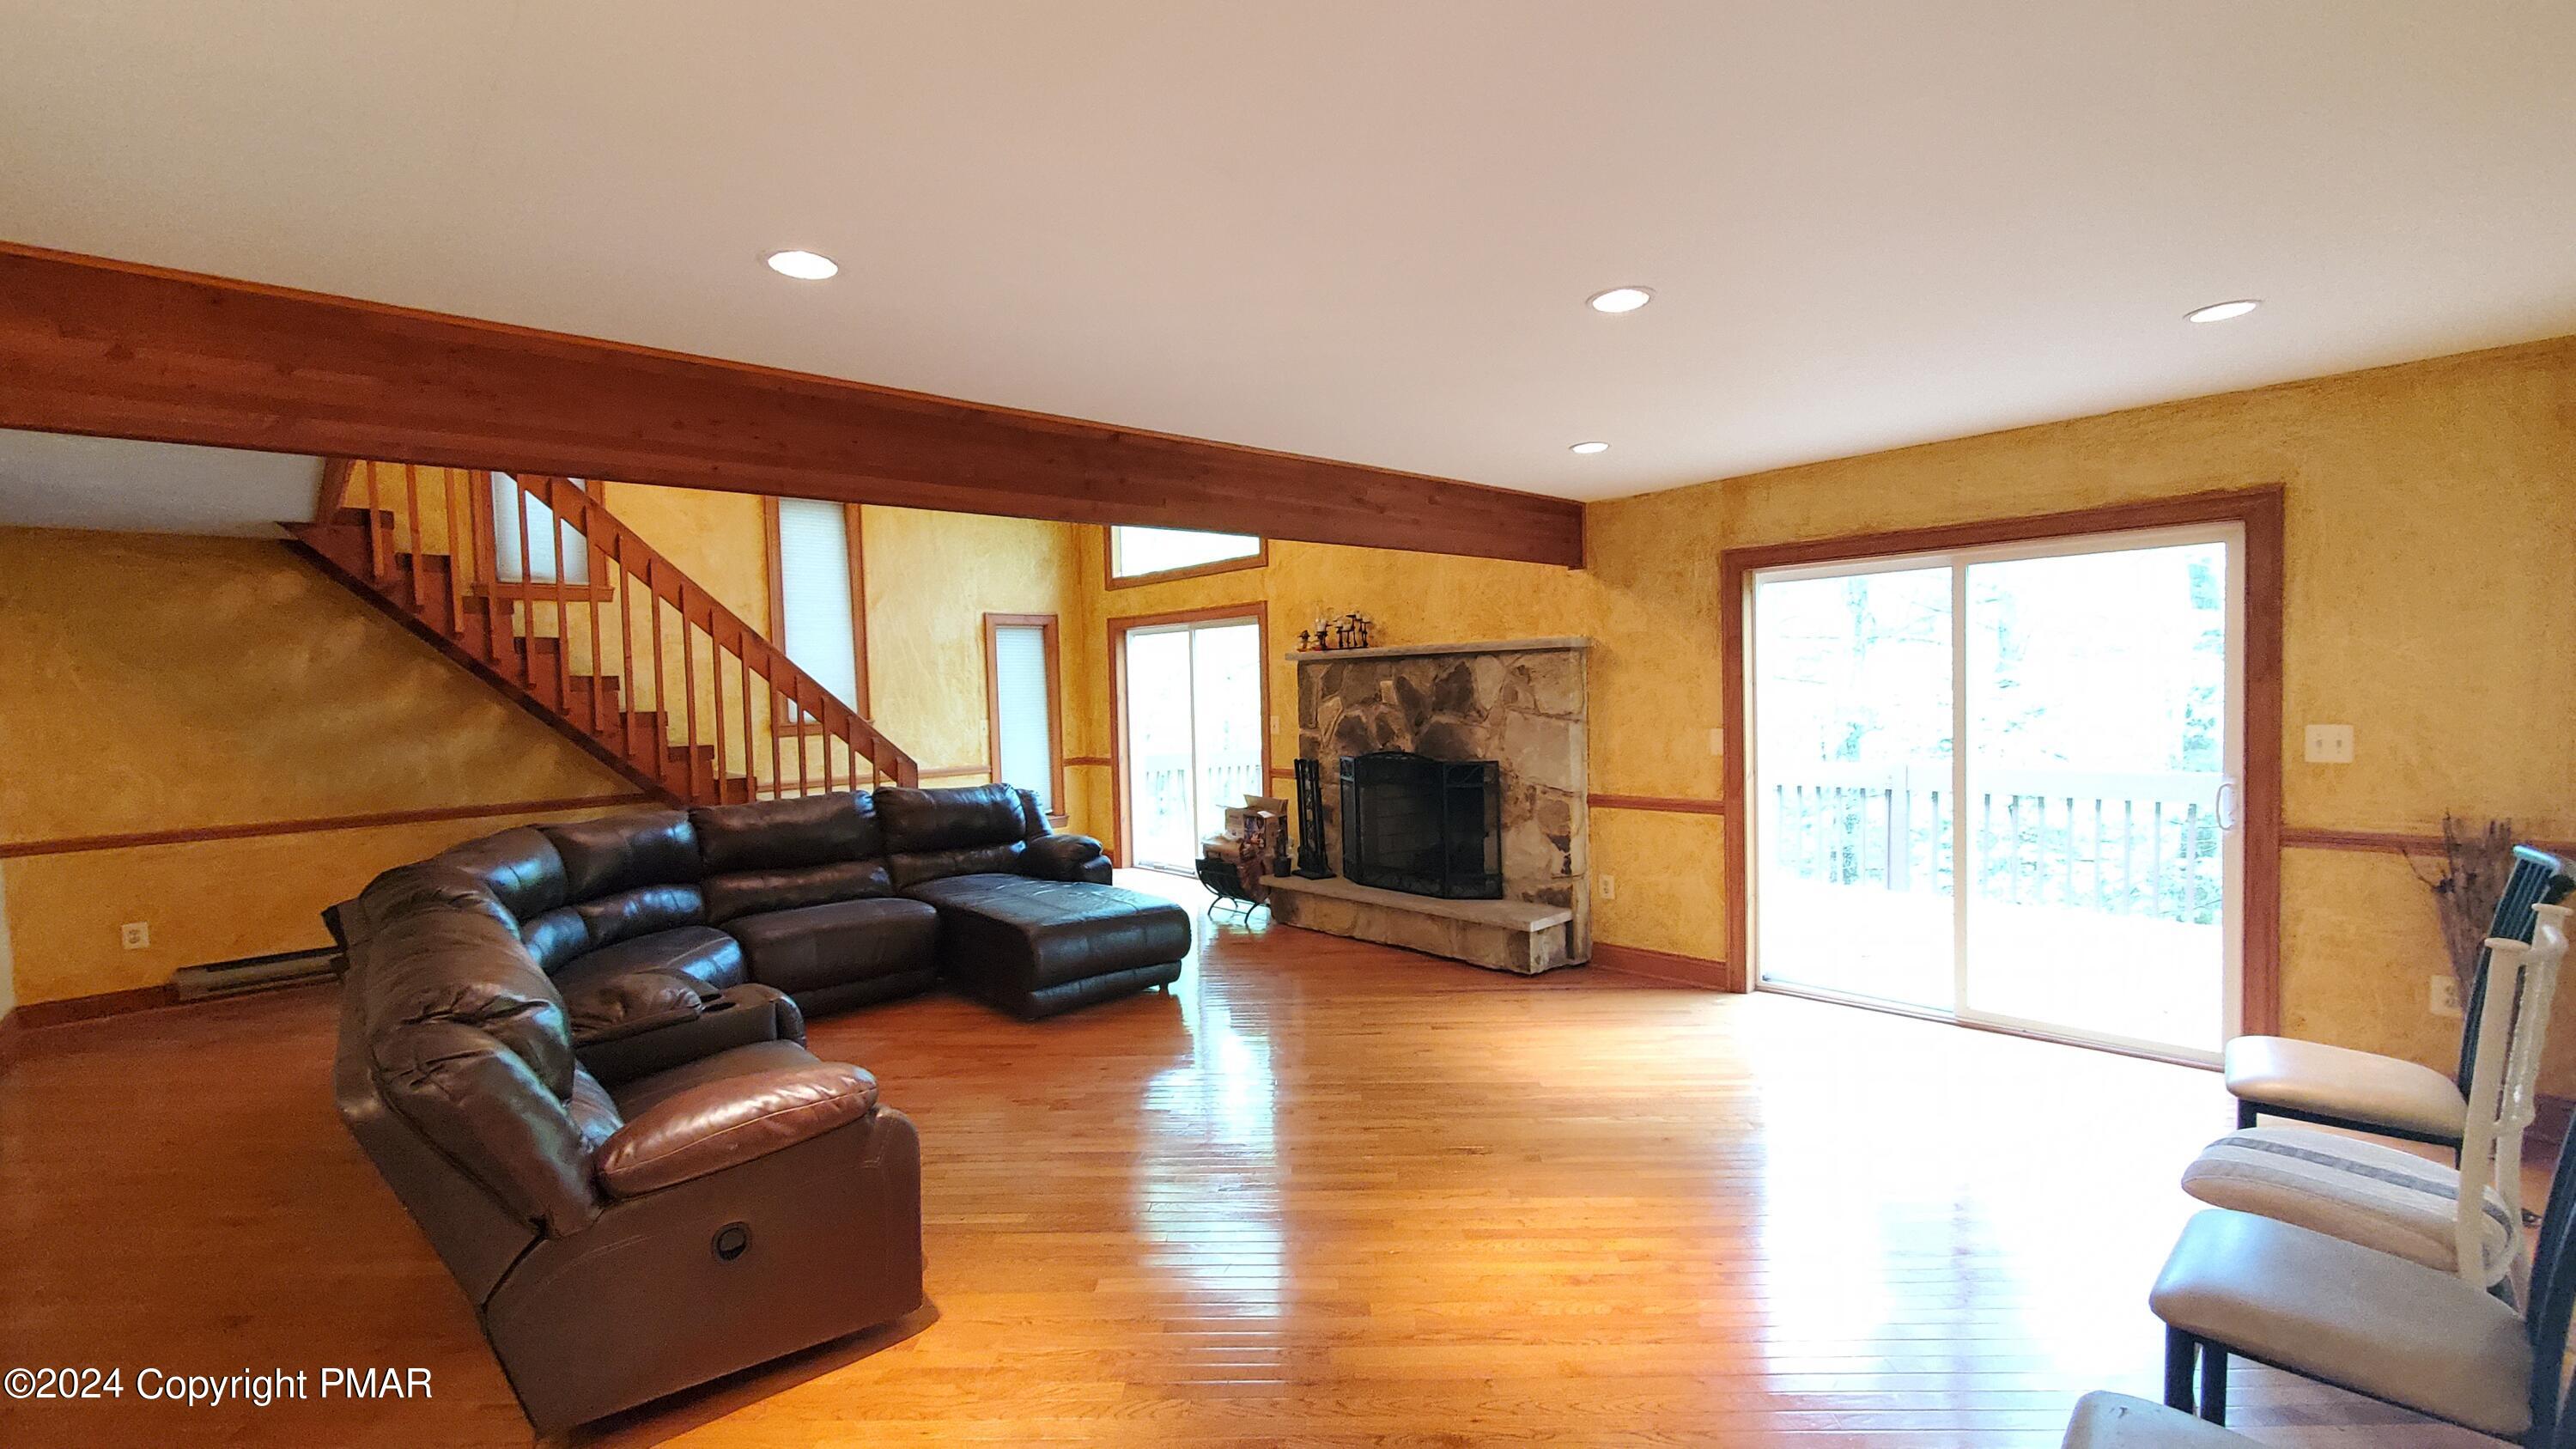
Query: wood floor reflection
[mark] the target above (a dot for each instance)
(1322, 1194)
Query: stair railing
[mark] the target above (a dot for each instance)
(589, 582)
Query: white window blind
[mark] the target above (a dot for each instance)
(1023, 722)
(1135, 551)
(814, 590)
(544, 538)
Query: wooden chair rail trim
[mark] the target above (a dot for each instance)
(135, 840)
(1672, 804)
(2307, 837)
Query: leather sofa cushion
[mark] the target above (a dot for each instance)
(480, 1104)
(621, 852)
(779, 835)
(593, 1113)
(637, 1097)
(1039, 933)
(717, 1124)
(702, 954)
(625, 915)
(919, 821)
(608, 1008)
(520, 867)
(429, 961)
(743, 892)
(1064, 857)
(911, 868)
(813, 947)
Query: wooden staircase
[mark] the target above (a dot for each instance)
(627, 657)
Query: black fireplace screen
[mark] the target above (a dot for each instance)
(1430, 827)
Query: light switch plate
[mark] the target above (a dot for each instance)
(1609, 889)
(2445, 999)
(2329, 744)
(1717, 742)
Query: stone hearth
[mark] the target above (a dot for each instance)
(1521, 702)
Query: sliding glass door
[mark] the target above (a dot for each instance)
(1999, 785)
(1193, 713)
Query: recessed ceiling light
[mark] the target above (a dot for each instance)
(2221, 311)
(1620, 299)
(803, 266)
(1589, 448)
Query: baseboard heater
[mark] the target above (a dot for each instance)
(254, 973)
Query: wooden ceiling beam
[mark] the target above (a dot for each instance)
(119, 350)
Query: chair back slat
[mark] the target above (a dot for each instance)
(2537, 878)
(2552, 1295)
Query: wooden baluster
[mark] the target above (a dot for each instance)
(689, 689)
(629, 696)
(455, 557)
(661, 671)
(411, 502)
(715, 674)
(592, 561)
(777, 722)
(375, 543)
(487, 561)
(750, 753)
(555, 489)
(804, 785)
(526, 608)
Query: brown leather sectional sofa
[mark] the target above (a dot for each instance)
(576, 1052)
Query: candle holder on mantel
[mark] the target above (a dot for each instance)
(1349, 631)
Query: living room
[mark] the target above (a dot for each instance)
(1964, 635)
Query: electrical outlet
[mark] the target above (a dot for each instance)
(1609, 889)
(136, 934)
(2329, 744)
(2446, 996)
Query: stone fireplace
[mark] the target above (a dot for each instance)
(1520, 703)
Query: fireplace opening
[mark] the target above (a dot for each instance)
(1429, 827)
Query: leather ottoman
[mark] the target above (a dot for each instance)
(1037, 947)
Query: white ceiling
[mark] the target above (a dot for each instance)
(51, 481)
(1363, 229)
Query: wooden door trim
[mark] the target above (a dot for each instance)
(1119, 628)
(1046, 623)
(2259, 511)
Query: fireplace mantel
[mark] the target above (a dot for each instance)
(1421, 651)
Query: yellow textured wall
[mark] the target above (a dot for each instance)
(163, 683)
(170, 683)
(2430, 513)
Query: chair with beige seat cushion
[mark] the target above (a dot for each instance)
(2338, 1087)
(2116, 1421)
(2466, 1220)
(2366, 1321)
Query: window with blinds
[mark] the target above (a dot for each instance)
(814, 594)
(1024, 711)
(544, 539)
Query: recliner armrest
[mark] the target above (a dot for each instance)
(1065, 857)
(708, 1128)
(737, 1016)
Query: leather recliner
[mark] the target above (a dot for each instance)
(576, 1053)
(692, 1194)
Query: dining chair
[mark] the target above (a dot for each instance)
(2332, 1086)
(2378, 1325)
(2465, 1220)
(2116, 1421)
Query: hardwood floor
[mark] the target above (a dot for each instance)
(1325, 1193)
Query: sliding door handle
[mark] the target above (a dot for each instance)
(2227, 818)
